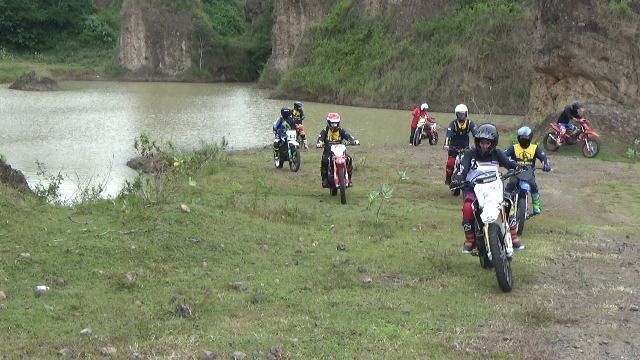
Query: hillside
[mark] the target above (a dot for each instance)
(497, 56)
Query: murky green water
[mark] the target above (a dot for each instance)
(87, 130)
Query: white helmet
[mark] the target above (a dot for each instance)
(424, 107)
(461, 111)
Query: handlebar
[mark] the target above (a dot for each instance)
(354, 142)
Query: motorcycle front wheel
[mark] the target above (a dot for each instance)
(550, 143)
(501, 262)
(342, 186)
(417, 136)
(294, 159)
(590, 147)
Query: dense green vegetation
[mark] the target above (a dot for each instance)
(74, 39)
(68, 38)
(461, 55)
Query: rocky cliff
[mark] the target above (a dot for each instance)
(294, 19)
(155, 43)
(584, 50)
(574, 49)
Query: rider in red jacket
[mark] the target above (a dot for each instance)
(416, 114)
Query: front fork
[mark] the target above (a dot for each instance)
(505, 226)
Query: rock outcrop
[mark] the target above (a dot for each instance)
(14, 178)
(31, 82)
(155, 42)
(290, 39)
(585, 52)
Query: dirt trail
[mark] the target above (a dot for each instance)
(590, 286)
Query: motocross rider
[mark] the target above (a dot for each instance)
(333, 134)
(525, 154)
(280, 127)
(571, 111)
(298, 118)
(416, 114)
(484, 158)
(457, 137)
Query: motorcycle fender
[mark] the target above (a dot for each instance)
(489, 215)
(340, 161)
(591, 133)
(525, 186)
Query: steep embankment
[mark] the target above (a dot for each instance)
(497, 56)
(194, 40)
(588, 50)
(399, 53)
(155, 43)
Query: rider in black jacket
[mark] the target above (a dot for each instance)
(484, 158)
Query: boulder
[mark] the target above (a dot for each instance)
(29, 81)
(12, 177)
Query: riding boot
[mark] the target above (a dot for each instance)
(469, 237)
(535, 200)
(513, 230)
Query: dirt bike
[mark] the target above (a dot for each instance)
(338, 176)
(521, 197)
(289, 150)
(491, 225)
(456, 167)
(424, 131)
(584, 135)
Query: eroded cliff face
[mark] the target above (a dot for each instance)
(294, 19)
(574, 49)
(583, 54)
(155, 44)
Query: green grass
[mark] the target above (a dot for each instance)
(303, 256)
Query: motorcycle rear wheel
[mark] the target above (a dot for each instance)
(550, 143)
(590, 147)
(501, 262)
(521, 213)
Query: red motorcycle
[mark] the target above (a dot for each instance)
(338, 175)
(583, 135)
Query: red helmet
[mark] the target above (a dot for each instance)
(333, 120)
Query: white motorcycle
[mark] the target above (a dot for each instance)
(289, 150)
(491, 225)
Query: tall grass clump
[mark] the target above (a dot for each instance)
(166, 169)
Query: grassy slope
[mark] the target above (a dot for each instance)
(470, 54)
(280, 233)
